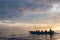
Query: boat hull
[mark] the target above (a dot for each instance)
(33, 32)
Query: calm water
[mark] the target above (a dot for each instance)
(22, 35)
(17, 36)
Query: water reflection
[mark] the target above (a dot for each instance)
(42, 37)
(31, 37)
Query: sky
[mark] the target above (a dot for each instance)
(24, 13)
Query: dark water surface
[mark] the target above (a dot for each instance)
(18, 36)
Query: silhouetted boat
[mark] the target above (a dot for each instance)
(50, 32)
(41, 32)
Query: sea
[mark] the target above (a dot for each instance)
(21, 34)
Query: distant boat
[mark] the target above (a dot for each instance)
(50, 32)
(41, 32)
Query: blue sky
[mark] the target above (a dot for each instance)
(30, 11)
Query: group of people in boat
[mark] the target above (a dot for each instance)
(42, 32)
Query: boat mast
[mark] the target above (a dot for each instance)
(50, 28)
(34, 28)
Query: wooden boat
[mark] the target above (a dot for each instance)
(41, 32)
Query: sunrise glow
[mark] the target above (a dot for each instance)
(26, 13)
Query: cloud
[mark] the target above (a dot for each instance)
(26, 11)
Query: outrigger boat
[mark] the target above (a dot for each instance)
(50, 32)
